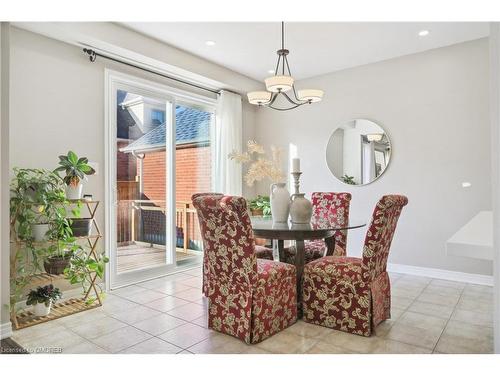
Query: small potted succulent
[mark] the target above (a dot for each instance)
(77, 169)
(42, 299)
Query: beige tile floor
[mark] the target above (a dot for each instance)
(168, 315)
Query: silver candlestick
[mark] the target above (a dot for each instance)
(296, 178)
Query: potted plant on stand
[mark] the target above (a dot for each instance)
(77, 169)
(61, 246)
(36, 196)
(42, 299)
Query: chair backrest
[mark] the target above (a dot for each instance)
(333, 208)
(380, 233)
(227, 237)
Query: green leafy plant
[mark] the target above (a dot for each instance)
(37, 196)
(77, 169)
(83, 268)
(348, 179)
(43, 294)
(261, 203)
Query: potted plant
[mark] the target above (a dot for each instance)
(36, 196)
(62, 245)
(260, 206)
(83, 268)
(77, 169)
(42, 299)
(348, 179)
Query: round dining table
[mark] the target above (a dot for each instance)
(264, 227)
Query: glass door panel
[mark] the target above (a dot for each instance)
(193, 165)
(141, 215)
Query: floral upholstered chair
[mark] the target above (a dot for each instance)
(353, 294)
(248, 298)
(262, 252)
(327, 208)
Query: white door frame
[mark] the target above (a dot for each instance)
(116, 80)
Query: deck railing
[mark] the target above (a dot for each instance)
(145, 220)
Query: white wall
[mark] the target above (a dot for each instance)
(495, 170)
(434, 107)
(5, 329)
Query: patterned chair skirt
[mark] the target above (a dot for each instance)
(255, 312)
(336, 294)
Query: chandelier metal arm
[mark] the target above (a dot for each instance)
(284, 109)
(291, 100)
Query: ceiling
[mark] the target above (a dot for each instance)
(315, 47)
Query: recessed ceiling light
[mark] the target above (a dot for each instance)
(271, 71)
(423, 33)
(210, 43)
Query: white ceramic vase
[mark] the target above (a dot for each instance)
(41, 310)
(73, 193)
(300, 209)
(280, 202)
(39, 232)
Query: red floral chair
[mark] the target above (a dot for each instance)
(249, 298)
(353, 294)
(262, 252)
(327, 208)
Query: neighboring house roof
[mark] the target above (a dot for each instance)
(192, 126)
(126, 126)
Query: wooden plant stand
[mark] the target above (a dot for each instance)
(73, 305)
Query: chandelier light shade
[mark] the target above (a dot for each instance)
(282, 85)
(374, 137)
(259, 97)
(279, 83)
(312, 95)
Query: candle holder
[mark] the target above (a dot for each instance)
(300, 206)
(296, 184)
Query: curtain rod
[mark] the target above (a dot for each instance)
(93, 56)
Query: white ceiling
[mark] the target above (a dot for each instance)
(315, 48)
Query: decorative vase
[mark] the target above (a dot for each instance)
(280, 202)
(300, 209)
(40, 309)
(39, 232)
(74, 193)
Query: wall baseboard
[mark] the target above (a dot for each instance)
(5, 330)
(436, 273)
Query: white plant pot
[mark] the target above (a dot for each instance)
(74, 192)
(41, 310)
(280, 202)
(39, 232)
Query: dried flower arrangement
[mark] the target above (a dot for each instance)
(260, 167)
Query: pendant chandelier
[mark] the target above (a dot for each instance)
(282, 84)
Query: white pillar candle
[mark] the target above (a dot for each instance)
(295, 165)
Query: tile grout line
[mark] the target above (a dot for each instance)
(446, 325)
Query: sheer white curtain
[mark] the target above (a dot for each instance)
(228, 130)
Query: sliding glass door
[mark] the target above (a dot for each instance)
(159, 154)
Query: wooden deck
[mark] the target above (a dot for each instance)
(139, 256)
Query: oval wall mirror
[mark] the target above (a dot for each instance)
(358, 152)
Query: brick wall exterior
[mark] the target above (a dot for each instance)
(193, 175)
(125, 164)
